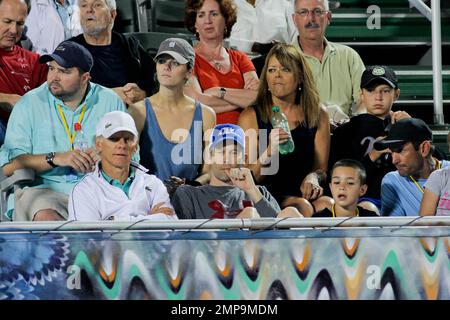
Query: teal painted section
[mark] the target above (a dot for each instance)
(357, 263)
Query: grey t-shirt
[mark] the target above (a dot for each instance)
(439, 183)
(192, 202)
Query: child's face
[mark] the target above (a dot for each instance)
(346, 186)
(379, 100)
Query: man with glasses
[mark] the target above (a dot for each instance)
(410, 142)
(119, 189)
(337, 68)
(41, 133)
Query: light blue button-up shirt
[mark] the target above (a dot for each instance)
(35, 127)
(64, 12)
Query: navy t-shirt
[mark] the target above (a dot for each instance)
(326, 213)
(109, 68)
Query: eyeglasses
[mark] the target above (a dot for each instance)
(316, 12)
(172, 63)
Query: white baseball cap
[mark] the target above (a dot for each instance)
(114, 122)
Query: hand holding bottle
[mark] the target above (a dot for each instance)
(279, 120)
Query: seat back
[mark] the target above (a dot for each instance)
(151, 40)
(132, 16)
(11, 184)
(168, 16)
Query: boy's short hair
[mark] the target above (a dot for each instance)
(351, 163)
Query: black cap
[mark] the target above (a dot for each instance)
(404, 131)
(70, 54)
(379, 74)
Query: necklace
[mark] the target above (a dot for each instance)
(218, 65)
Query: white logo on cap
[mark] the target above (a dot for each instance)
(378, 71)
(61, 48)
(172, 44)
(225, 131)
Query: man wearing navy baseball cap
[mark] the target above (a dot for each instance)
(230, 183)
(410, 142)
(42, 134)
(69, 54)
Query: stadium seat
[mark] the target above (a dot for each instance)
(404, 36)
(440, 134)
(132, 16)
(168, 16)
(366, 3)
(9, 185)
(151, 40)
(416, 85)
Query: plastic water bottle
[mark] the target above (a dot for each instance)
(80, 143)
(279, 120)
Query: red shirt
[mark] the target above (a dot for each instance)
(210, 77)
(20, 72)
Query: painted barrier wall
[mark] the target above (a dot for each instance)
(353, 263)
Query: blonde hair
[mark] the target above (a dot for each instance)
(308, 98)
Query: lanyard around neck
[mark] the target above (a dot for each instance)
(439, 165)
(333, 212)
(66, 126)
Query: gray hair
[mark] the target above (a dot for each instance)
(112, 4)
(325, 3)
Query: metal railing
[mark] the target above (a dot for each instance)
(227, 224)
(434, 15)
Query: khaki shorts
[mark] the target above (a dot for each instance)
(30, 201)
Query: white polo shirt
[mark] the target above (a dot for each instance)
(94, 199)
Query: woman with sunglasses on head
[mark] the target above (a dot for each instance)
(224, 79)
(171, 125)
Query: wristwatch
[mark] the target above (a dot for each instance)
(49, 158)
(222, 92)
